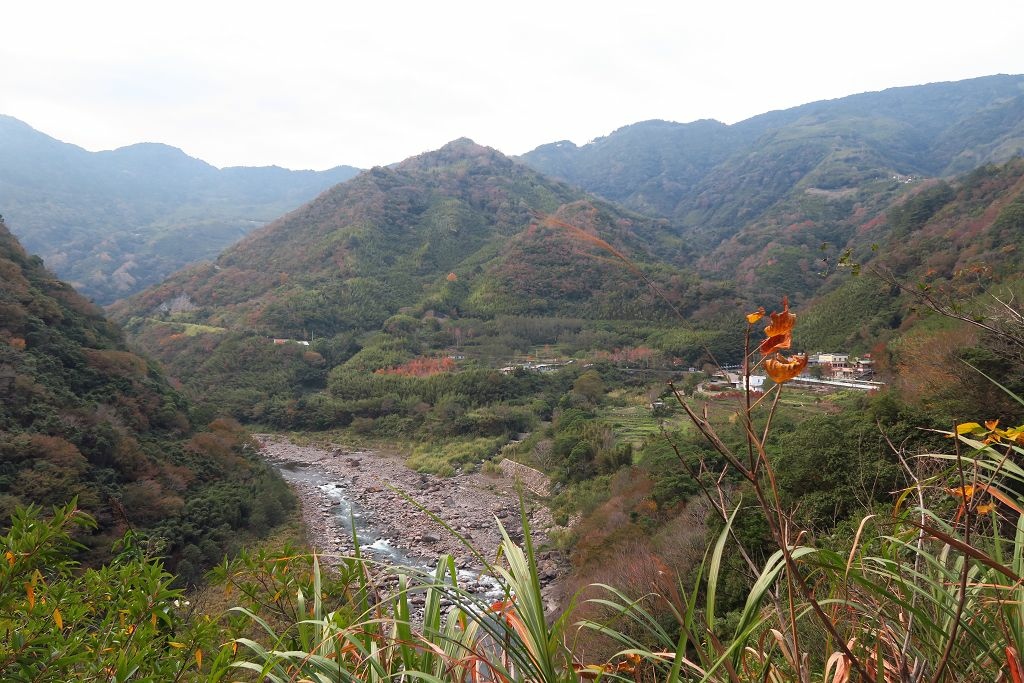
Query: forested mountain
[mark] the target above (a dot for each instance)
(766, 192)
(390, 237)
(465, 252)
(386, 308)
(715, 177)
(428, 253)
(81, 416)
(117, 221)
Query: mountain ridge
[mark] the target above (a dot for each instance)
(798, 139)
(765, 194)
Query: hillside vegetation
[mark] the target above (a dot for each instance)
(459, 252)
(763, 195)
(952, 239)
(465, 309)
(82, 417)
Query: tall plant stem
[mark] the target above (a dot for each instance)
(962, 587)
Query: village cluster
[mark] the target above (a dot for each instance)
(823, 369)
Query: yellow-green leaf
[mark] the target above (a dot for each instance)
(969, 428)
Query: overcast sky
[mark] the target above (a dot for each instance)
(317, 84)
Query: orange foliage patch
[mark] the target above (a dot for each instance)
(420, 367)
(638, 354)
(121, 363)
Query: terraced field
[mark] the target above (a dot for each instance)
(632, 424)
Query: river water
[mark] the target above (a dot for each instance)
(375, 541)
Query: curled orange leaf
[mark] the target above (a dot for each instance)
(966, 492)
(774, 343)
(991, 424)
(985, 508)
(782, 369)
(629, 666)
(756, 315)
(502, 605)
(782, 322)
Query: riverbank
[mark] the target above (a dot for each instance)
(375, 482)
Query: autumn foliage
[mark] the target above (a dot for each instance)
(420, 367)
(779, 335)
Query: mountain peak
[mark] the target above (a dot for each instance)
(467, 147)
(462, 151)
(145, 154)
(18, 137)
(462, 142)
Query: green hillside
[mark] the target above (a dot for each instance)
(458, 248)
(953, 241)
(463, 309)
(757, 200)
(710, 175)
(83, 417)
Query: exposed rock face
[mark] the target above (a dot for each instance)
(179, 304)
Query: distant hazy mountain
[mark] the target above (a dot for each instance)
(114, 222)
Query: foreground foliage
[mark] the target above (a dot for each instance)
(926, 585)
(120, 622)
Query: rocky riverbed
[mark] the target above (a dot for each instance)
(335, 482)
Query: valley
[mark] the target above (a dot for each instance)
(650, 398)
(393, 504)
